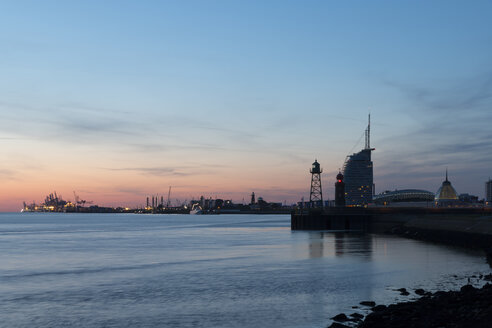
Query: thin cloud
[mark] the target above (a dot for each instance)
(154, 171)
(7, 174)
(453, 130)
(465, 94)
(66, 124)
(132, 191)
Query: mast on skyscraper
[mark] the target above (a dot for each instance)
(358, 174)
(368, 133)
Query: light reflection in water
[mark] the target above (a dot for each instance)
(340, 244)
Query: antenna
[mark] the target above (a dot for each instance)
(368, 134)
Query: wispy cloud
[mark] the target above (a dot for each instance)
(7, 174)
(458, 95)
(453, 130)
(154, 171)
(68, 124)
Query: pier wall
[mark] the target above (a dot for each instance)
(453, 225)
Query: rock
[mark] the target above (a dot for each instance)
(337, 325)
(357, 315)
(340, 317)
(468, 307)
(420, 292)
(403, 291)
(368, 303)
(467, 288)
(379, 308)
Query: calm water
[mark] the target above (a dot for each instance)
(111, 270)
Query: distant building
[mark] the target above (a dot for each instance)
(446, 195)
(488, 191)
(468, 199)
(405, 197)
(358, 173)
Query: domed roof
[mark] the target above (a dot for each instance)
(339, 176)
(446, 192)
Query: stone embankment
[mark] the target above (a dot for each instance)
(466, 231)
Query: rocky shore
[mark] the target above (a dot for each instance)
(468, 307)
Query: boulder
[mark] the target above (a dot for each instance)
(378, 308)
(337, 325)
(340, 317)
(357, 315)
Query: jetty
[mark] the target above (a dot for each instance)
(466, 226)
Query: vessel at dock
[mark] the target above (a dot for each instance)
(196, 209)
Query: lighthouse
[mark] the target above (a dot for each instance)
(316, 194)
(339, 191)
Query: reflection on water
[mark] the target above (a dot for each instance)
(203, 271)
(316, 244)
(339, 244)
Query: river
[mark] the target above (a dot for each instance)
(130, 270)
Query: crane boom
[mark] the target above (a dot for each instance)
(169, 198)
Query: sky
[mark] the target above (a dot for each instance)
(118, 100)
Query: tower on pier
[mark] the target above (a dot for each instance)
(316, 194)
(339, 190)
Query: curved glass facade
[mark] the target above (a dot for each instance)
(406, 195)
(446, 192)
(358, 175)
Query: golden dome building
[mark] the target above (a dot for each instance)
(446, 195)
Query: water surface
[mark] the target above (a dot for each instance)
(126, 270)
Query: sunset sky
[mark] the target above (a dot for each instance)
(118, 100)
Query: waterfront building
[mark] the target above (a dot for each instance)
(488, 191)
(468, 199)
(358, 173)
(405, 197)
(446, 195)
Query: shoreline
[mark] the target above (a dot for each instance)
(467, 307)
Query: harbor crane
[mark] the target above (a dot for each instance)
(168, 204)
(80, 202)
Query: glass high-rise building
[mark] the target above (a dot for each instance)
(358, 178)
(358, 173)
(488, 191)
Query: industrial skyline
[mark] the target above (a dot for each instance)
(118, 99)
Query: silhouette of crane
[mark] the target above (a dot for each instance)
(80, 202)
(168, 204)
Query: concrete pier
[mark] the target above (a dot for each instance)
(454, 225)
